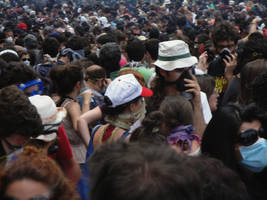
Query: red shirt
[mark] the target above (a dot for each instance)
(64, 151)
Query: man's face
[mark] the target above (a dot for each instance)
(226, 44)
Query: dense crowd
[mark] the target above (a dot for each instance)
(133, 99)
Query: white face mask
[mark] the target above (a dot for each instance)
(27, 62)
(9, 39)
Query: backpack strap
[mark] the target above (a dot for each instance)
(125, 135)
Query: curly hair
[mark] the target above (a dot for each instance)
(34, 165)
(17, 114)
(224, 31)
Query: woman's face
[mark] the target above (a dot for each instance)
(27, 189)
(138, 105)
(213, 101)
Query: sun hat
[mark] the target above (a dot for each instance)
(51, 115)
(174, 54)
(124, 89)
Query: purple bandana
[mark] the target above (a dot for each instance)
(182, 135)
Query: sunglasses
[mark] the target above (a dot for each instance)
(248, 137)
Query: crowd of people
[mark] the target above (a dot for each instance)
(132, 99)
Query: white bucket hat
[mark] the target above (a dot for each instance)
(124, 89)
(174, 54)
(51, 115)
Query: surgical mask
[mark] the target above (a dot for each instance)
(254, 156)
(27, 62)
(9, 39)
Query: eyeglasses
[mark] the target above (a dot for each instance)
(24, 59)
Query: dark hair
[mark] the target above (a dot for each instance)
(259, 88)
(251, 50)
(75, 43)
(206, 83)
(152, 47)
(34, 165)
(3, 74)
(220, 136)
(256, 36)
(66, 77)
(249, 72)
(105, 38)
(151, 129)
(109, 57)
(154, 33)
(17, 114)
(51, 46)
(224, 31)
(140, 171)
(108, 110)
(95, 72)
(18, 72)
(177, 111)
(135, 50)
(218, 181)
(9, 57)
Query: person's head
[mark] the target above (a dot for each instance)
(259, 87)
(141, 171)
(225, 35)
(177, 110)
(135, 50)
(248, 74)
(30, 42)
(76, 43)
(68, 78)
(95, 76)
(105, 38)
(220, 136)
(207, 85)
(173, 59)
(35, 176)
(19, 118)
(25, 78)
(152, 48)
(125, 95)
(50, 46)
(50, 115)
(172, 66)
(25, 57)
(9, 55)
(109, 57)
(218, 181)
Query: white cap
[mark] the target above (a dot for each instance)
(124, 89)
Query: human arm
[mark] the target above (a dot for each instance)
(252, 29)
(87, 95)
(88, 118)
(198, 118)
(202, 63)
(74, 113)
